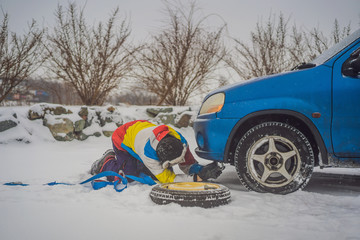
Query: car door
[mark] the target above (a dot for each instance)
(346, 104)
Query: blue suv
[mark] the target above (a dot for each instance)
(275, 129)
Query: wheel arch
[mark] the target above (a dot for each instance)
(293, 118)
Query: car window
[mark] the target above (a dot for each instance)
(351, 67)
(329, 53)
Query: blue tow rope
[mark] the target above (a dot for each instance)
(16, 184)
(119, 185)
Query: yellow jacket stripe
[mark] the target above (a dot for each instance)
(132, 131)
(167, 176)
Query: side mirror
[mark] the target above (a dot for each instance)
(351, 66)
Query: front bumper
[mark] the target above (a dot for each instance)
(211, 135)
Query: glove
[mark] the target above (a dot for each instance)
(211, 170)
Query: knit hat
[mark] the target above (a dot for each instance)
(170, 151)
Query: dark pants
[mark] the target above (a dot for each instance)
(125, 162)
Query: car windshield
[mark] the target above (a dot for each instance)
(329, 53)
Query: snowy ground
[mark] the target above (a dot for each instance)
(329, 208)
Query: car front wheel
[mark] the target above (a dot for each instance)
(274, 157)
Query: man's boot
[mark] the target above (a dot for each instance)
(97, 165)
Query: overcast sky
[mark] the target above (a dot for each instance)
(240, 15)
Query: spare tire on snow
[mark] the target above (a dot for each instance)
(191, 194)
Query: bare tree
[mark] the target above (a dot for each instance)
(274, 49)
(267, 51)
(19, 56)
(339, 33)
(182, 57)
(316, 42)
(94, 59)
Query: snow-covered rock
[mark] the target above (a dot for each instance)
(66, 123)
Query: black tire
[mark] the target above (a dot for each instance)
(274, 157)
(199, 194)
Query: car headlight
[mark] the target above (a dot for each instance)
(213, 104)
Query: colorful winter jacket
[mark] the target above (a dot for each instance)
(140, 139)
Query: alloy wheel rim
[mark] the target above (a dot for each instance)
(274, 161)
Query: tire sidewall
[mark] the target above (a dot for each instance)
(205, 199)
(284, 130)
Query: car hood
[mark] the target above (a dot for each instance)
(290, 84)
(232, 91)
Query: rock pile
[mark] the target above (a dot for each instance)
(68, 123)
